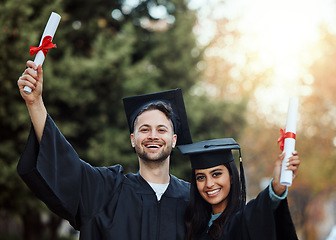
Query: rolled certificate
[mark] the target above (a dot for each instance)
(289, 141)
(49, 30)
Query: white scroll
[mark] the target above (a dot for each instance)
(289, 142)
(49, 30)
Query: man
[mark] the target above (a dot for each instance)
(103, 203)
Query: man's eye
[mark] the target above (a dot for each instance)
(162, 130)
(144, 130)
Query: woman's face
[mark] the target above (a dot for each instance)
(214, 185)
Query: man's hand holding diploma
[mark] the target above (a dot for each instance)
(33, 78)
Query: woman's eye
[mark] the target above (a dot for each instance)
(199, 178)
(216, 174)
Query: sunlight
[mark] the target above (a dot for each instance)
(280, 35)
(285, 34)
(281, 31)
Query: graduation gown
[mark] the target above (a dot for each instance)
(100, 202)
(258, 221)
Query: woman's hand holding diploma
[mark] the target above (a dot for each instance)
(292, 165)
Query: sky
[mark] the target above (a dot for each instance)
(285, 34)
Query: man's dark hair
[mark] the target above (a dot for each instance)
(161, 106)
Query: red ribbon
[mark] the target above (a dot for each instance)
(45, 46)
(283, 136)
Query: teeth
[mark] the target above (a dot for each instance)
(152, 146)
(213, 192)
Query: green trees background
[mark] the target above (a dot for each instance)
(106, 50)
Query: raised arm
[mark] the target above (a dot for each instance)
(293, 164)
(33, 78)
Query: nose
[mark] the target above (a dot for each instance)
(209, 183)
(152, 135)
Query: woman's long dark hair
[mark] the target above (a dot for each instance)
(198, 211)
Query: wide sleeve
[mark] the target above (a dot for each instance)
(263, 222)
(258, 221)
(283, 222)
(258, 217)
(70, 187)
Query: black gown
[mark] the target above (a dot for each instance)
(258, 221)
(100, 202)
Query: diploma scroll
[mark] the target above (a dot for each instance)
(289, 142)
(49, 30)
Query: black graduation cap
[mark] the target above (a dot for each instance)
(210, 153)
(133, 105)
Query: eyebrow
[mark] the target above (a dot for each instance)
(216, 169)
(212, 171)
(147, 125)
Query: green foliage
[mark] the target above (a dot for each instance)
(215, 118)
(98, 61)
(15, 37)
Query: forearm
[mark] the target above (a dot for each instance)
(277, 187)
(33, 78)
(38, 115)
(276, 199)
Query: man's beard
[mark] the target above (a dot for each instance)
(145, 156)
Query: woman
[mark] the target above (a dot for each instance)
(217, 207)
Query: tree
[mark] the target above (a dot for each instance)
(15, 198)
(99, 60)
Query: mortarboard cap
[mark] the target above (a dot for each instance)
(133, 106)
(210, 153)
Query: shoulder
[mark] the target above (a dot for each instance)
(115, 168)
(111, 173)
(179, 183)
(178, 188)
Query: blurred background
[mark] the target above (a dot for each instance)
(237, 62)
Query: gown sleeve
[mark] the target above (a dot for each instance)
(285, 228)
(266, 223)
(70, 187)
(258, 221)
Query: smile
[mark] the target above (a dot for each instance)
(213, 192)
(153, 146)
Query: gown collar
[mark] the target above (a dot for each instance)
(174, 184)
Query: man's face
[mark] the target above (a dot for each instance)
(153, 137)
